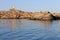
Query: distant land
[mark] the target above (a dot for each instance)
(13, 13)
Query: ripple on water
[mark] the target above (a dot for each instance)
(29, 30)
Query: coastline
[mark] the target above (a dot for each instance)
(18, 14)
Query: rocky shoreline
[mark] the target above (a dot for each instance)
(18, 14)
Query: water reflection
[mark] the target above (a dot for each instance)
(47, 24)
(23, 29)
(44, 24)
(13, 24)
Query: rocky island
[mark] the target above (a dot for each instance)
(18, 14)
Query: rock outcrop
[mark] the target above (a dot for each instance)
(42, 16)
(18, 14)
(56, 15)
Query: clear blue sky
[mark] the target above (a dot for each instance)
(31, 5)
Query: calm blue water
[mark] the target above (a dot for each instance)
(23, 29)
